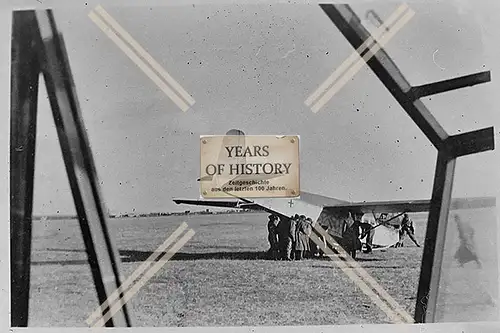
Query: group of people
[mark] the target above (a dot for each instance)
(289, 238)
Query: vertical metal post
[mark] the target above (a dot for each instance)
(435, 237)
(103, 257)
(23, 113)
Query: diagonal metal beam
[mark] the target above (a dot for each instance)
(25, 71)
(102, 254)
(386, 70)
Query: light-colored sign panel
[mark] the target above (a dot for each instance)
(255, 166)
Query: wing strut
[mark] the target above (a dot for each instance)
(389, 220)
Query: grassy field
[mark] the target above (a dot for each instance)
(221, 277)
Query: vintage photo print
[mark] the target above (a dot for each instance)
(252, 164)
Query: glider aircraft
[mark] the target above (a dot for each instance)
(331, 212)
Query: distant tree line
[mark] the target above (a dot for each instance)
(154, 214)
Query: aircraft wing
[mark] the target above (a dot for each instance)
(308, 204)
(311, 205)
(272, 206)
(219, 203)
(412, 206)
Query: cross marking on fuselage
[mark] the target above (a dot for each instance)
(290, 203)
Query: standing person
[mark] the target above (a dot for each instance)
(302, 232)
(370, 233)
(290, 237)
(351, 233)
(272, 236)
(466, 252)
(369, 240)
(283, 227)
(317, 250)
(406, 228)
(310, 226)
(322, 250)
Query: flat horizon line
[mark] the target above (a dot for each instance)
(153, 214)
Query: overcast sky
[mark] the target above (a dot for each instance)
(252, 67)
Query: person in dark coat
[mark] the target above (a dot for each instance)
(350, 236)
(302, 232)
(351, 233)
(283, 227)
(272, 236)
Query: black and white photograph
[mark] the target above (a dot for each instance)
(226, 164)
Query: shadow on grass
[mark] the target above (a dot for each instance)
(133, 256)
(369, 259)
(141, 256)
